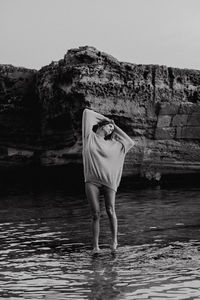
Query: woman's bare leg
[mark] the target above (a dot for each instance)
(92, 193)
(109, 196)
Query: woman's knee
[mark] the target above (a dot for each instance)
(95, 215)
(110, 211)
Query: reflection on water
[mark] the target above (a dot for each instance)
(45, 250)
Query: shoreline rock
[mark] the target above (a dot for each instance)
(158, 106)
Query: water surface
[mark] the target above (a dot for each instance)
(45, 245)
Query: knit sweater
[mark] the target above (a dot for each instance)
(103, 159)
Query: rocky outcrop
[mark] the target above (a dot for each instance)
(19, 115)
(159, 107)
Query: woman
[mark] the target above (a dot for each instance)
(103, 157)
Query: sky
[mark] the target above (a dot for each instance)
(33, 33)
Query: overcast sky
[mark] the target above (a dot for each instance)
(164, 32)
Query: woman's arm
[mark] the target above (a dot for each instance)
(123, 138)
(89, 119)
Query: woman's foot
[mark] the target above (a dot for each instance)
(95, 251)
(113, 247)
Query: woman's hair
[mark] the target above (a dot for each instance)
(103, 123)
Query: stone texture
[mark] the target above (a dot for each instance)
(193, 119)
(190, 132)
(158, 106)
(179, 120)
(185, 122)
(19, 109)
(165, 133)
(169, 108)
(164, 121)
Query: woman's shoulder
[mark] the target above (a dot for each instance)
(115, 142)
(118, 143)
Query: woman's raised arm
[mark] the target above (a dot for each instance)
(124, 139)
(89, 119)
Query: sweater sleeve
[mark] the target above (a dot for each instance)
(89, 119)
(124, 139)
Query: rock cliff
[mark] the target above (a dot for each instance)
(158, 106)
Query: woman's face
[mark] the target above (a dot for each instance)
(108, 128)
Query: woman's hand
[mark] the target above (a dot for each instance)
(111, 121)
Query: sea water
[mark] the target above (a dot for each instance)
(45, 245)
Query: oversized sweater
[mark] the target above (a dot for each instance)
(103, 159)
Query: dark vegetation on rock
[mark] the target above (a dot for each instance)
(158, 106)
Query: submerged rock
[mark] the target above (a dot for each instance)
(158, 106)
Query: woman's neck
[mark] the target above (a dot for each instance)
(100, 133)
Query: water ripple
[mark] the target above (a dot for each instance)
(48, 256)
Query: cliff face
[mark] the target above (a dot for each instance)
(19, 115)
(159, 107)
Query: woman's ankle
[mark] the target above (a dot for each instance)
(96, 246)
(95, 250)
(114, 245)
